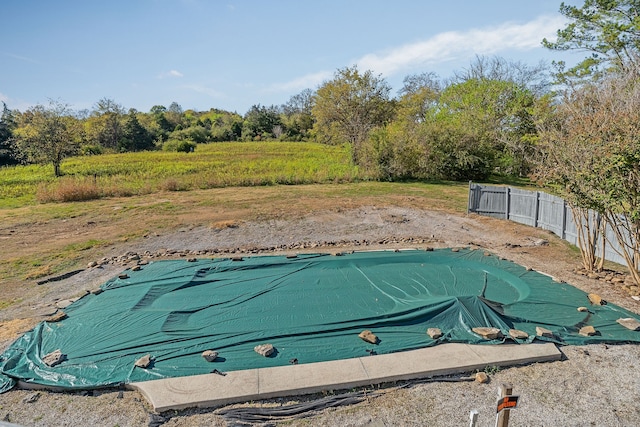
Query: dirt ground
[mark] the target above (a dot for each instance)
(595, 385)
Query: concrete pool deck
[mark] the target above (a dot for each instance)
(265, 383)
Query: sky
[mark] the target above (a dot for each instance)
(232, 54)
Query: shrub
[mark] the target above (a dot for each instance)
(197, 134)
(181, 146)
(91, 150)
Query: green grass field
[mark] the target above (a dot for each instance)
(210, 166)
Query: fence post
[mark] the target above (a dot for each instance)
(564, 220)
(536, 213)
(506, 202)
(469, 201)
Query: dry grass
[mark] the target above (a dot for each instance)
(227, 223)
(12, 329)
(172, 185)
(68, 189)
(41, 271)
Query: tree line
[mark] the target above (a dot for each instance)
(477, 123)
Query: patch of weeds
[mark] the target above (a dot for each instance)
(5, 303)
(35, 267)
(131, 236)
(160, 206)
(83, 246)
(492, 370)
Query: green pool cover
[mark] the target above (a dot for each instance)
(311, 308)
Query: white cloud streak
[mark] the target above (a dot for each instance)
(455, 45)
(172, 73)
(301, 83)
(444, 47)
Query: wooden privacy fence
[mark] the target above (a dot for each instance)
(537, 209)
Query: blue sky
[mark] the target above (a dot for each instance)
(232, 54)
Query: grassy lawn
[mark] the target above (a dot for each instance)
(213, 165)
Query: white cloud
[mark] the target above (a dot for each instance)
(309, 81)
(444, 47)
(172, 73)
(454, 45)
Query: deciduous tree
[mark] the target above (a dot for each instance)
(418, 94)
(349, 106)
(105, 128)
(260, 122)
(297, 116)
(48, 134)
(591, 154)
(532, 77)
(175, 115)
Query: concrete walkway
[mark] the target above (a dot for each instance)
(266, 383)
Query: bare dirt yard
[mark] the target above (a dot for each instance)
(595, 385)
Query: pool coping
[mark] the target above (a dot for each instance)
(210, 390)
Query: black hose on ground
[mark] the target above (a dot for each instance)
(235, 416)
(243, 416)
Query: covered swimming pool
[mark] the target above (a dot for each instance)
(310, 307)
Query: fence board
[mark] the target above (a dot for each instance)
(523, 207)
(570, 228)
(552, 215)
(488, 200)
